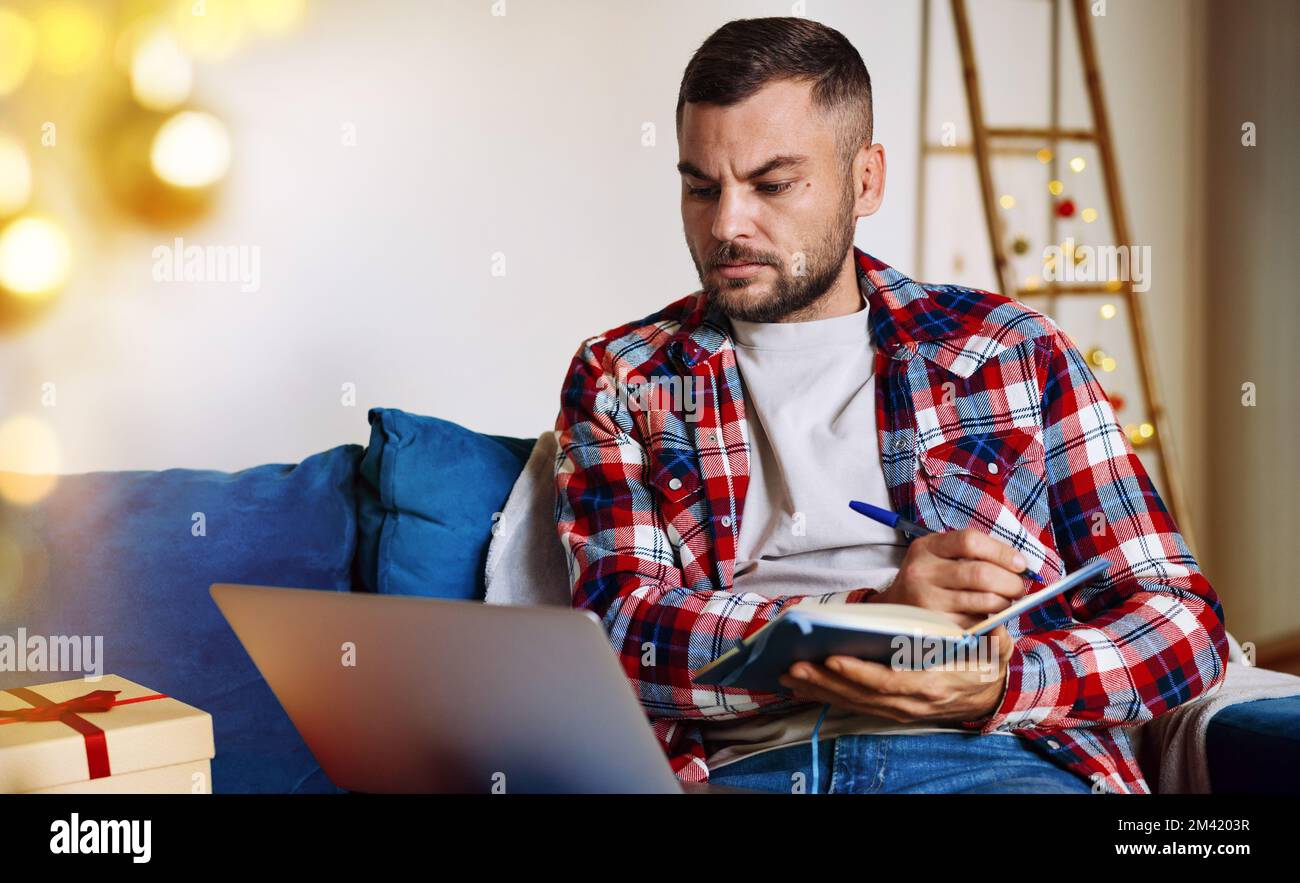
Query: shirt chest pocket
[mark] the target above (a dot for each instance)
(986, 479)
(679, 492)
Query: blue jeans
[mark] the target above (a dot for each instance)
(925, 763)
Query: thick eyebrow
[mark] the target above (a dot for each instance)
(781, 161)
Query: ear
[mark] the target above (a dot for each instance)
(868, 180)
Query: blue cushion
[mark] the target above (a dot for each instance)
(123, 563)
(427, 496)
(1254, 747)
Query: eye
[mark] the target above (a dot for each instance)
(702, 192)
(780, 187)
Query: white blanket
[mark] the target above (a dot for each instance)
(1176, 739)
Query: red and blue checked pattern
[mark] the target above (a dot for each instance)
(987, 416)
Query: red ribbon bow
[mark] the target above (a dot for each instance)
(68, 711)
(96, 700)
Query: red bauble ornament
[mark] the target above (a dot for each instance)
(1065, 208)
(1117, 401)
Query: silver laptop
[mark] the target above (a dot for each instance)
(406, 694)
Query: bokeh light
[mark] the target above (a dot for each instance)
(214, 35)
(17, 50)
(191, 150)
(34, 257)
(1007, 201)
(276, 16)
(162, 76)
(29, 459)
(71, 37)
(15, 177)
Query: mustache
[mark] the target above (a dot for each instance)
(731, 255)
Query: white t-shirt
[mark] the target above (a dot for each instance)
(809, 391)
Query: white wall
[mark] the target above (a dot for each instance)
(477, 134)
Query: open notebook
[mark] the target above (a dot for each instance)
(892, 634)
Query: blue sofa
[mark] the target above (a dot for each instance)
(130, 556)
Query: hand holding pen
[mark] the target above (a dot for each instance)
(965, 573)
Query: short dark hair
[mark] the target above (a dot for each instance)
(745, 55)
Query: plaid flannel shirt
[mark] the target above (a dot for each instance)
(987, 417)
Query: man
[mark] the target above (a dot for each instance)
(709, 451)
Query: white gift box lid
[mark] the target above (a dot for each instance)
(141, 729)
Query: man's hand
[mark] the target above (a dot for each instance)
(931, 695)
(963, 573)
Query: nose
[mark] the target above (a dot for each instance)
(733, 217)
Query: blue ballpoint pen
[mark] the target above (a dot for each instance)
(911, 528)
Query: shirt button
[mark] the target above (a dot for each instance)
(675, 484)
(726, 521)
(1053, 744)
(900, 444)
(993, 468)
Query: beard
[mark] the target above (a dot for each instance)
(790, 293)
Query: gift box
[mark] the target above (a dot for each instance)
(104, 736)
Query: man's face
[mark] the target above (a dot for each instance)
(768, 212)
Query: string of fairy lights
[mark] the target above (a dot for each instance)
(1065, 208)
